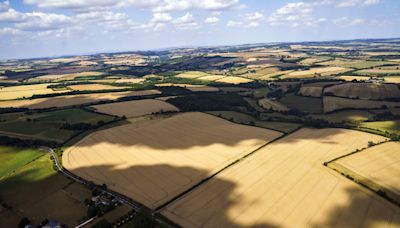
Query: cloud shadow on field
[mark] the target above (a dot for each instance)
(201, 213)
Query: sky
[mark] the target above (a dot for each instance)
(44, 28)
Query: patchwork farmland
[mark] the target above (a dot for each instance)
(285, 184)
(155, 160)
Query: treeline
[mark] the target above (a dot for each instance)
(8, 141)
(211, 102)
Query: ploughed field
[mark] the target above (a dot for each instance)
(285, 184)
(152, 161)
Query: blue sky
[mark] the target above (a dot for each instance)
(38, 28)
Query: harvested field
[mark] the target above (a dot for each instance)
(234, 80)
(130, 80)
(393, 79)
(376, 167)
(136, 108)
(314, 89)
(275, 75)
(358, 64)
(273, 105)
(65, 77)
(364, 91)
(351, 78)
(286, 185)
(338, 103)
(191, 74)
(15, 92)
(322, 71)
(94, 87)
(66, 101)
(211, 77)
(155, 160)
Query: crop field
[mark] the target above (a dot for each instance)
(376, 167)
(24, 91)
(130, 80)
(211, 77)
(242, 118)
(395, 79)
(273, 105)
(66, 101)
(364, 91)
(13, 158)
(94, 87)
(285, 184)
(314, 89)
(155, 160)
(192, 74)
(323, 71)
(275, 75)
(380, 70)
(345, 116)
(136, 108)
(391, 126)
(305, 104)
(49, 125)
(36, 191)
(234, 80)
(351, 78)
(357, 64)
(66, 77)
(338, 103)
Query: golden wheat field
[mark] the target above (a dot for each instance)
(211, 77)
(65, 101)
(351, 78)
(21, 91)
(274, 105)
(377, 167)
(155, 160)
(338, 103)
(393, 79)
(364, 91)
(191, 74)
(94, 87)
(64, 77)
(130, 80)
(285, 184)
(323, 71)
(135, 108)
(234, 80)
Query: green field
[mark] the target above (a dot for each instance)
(345, 116)
(48, 125)
(241, 118)
(36, 191)
(304, 104)
(13, 158)
(392, 126)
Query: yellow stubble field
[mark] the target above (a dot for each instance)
(323, 71)
(377, 167)
(286, 185)
(65, 101)
(155, 160)
(21, 91)
(94, 87)
(135, 108)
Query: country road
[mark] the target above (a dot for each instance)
(122, 199)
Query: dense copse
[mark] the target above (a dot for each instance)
(8, 141)
(9, 110)
(211, 102)
(173, 90)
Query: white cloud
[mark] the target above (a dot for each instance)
(186, 22)
(9, 31)
(249, 20)
(295, 14)
(11, 15)
(345, 21)
(155, 5)
(211, 20)
(4, 6)
(161, 17)
(38, 21)
(346, 3)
